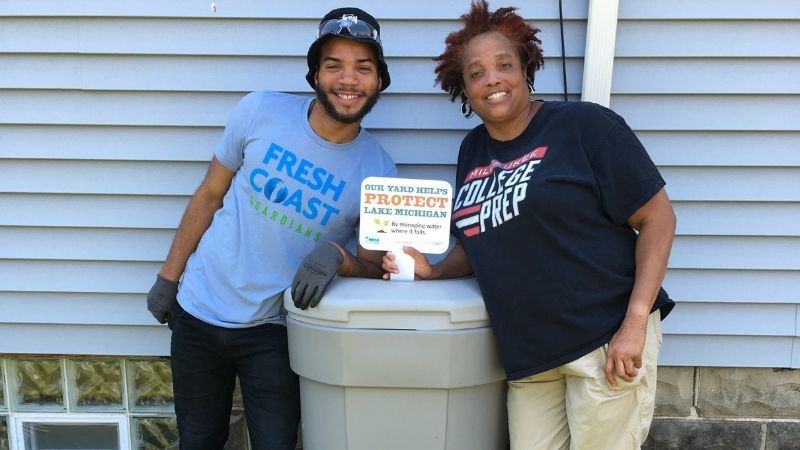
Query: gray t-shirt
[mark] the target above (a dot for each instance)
(292, 191)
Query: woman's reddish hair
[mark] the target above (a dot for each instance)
(480, 20)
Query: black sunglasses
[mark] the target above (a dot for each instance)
(355, 28)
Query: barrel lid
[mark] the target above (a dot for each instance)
(378, 304)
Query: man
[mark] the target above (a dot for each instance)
(283, 185)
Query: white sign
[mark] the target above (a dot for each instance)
(401, 211)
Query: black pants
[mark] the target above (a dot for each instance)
(205, 361)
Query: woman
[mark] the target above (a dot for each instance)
(550, 197)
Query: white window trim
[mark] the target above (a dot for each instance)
(16, 422)
(598, 62)
(6, 395)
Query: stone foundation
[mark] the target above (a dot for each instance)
(726, 408)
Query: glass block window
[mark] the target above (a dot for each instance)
(237, 395)
(156, 433)
(96, 384)
(70, 432)
(3, 433)
(37, 384)
(151, 385)
(90, 403)
(2, 389)
(237, 439)
(51, 436)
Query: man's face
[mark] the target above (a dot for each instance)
(348, 82)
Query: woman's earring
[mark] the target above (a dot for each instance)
(531, 92)
(466, 108)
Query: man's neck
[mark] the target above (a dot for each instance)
(329, 128)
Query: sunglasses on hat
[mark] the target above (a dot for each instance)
(354, 27)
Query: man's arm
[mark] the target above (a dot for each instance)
(320, 266)
(656, 224)
(365, 264)
(197, 218)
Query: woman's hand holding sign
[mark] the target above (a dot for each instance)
(422, 268)
(454, 265)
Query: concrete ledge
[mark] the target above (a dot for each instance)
(783, 435)
(701, 434)
(689, 434)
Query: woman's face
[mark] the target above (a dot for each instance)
(494, 79)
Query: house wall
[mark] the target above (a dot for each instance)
(109, 112)
(711, 89)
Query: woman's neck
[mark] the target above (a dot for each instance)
(511, 129)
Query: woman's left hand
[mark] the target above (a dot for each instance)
(624, 358)
(656, 224)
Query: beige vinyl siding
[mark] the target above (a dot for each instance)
(712, 90)
(110, 113)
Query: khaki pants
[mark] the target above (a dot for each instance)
(573, 407)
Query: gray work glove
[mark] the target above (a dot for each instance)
(161, 297)
(315, 273)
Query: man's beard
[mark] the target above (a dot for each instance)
(347, 119)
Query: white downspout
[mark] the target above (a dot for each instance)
(598, 63)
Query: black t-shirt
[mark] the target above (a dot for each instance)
(543, 218)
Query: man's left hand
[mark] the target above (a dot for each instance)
(315, 273)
